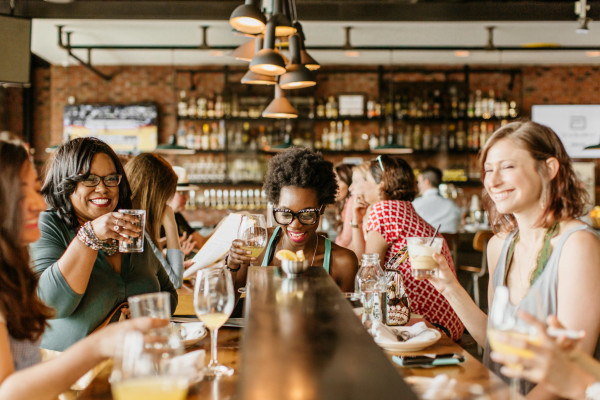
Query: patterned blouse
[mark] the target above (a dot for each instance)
(397, 220)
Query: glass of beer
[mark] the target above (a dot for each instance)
(420, 253)
(253, 232)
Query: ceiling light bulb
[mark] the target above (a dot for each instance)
(462, 53)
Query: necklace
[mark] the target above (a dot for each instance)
(315, 252)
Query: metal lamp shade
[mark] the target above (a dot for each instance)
(308, 61)
(248, 18)
(283, 25)
(245, 52)
(280, 107)
(297, 77)
(268, 62)
(252, 78)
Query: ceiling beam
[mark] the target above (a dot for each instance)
(308, 10)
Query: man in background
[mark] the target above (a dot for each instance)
(434, 208)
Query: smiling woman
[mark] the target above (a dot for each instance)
(82, 275)
(300, 183)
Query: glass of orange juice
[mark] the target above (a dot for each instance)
(502, 319)
(143, 372)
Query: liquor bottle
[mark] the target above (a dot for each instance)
(408, 137)
(201, 107)
(373, 141)
(347, 136)
(325, 139)
(491, 103)
(222, 136)
(483, 133)
(210, 106)
(219, 106)
(190, 137)
(332, 135)
(513, 112)
(182, 105)
(245, 134)
(320, 109)
(427, 139)
(478, 104)
(311, 107)
(339, 136)
(371, 109)
(192, 110)
(417, 138)
(205, 137)
(471, 107)
(451, 137)
(461, 137)
(390, 132)
(214, 137)
(181, 139)
(235, 106)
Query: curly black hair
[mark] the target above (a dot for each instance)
(301, 167)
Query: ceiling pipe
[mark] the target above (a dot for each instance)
(87, 64)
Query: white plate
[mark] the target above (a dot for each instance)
(410, 345)
(190, 341)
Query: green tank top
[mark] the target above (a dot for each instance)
(273, 243)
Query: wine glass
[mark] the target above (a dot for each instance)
(253, 232)
(503, 318)
(213, 303)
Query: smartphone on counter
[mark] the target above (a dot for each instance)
(427, 360)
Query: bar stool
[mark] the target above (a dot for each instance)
(480, 242)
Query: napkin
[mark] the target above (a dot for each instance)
(411, 334)
(189, 365)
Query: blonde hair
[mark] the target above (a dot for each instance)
(153, 182)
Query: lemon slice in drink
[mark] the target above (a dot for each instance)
(300, 255)
(286, 255)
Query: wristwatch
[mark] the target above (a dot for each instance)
(593, 391)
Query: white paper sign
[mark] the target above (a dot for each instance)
(578, 126)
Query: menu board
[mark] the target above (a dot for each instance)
(127, 128)
(578, 126)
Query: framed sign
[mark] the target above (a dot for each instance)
(351, 105)
(578, 126)
(126, 128)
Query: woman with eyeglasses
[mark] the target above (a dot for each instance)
(300, 183)
(388, 187)
(82, 274)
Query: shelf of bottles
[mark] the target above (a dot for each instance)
(228, 199)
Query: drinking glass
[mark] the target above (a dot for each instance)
(213, 303)
(253, 232)
(137, 244)
(502, 318)
(420, 252)
(142, 372)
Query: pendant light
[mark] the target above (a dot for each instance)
(297, 75)
(268, 61)
(248, 18)
(245, 52)
(280, 107)
(283, 24)
(305, 58)
(252, 78)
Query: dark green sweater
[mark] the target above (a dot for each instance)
(78, 315)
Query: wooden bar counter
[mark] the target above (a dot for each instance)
(302, 341)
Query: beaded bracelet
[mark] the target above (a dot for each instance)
(88, 237)
(228, 267)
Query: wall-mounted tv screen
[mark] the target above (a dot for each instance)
(127, 128)
(577, 125)
(15, 49)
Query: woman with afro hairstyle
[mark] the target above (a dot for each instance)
(300, 183)
(389, 187)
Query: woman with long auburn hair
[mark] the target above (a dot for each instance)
(153, 183)
(541, 252)
(23, 315)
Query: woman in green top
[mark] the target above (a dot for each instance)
(82, 275)
(300, 183)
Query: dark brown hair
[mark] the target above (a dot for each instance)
(344, 173)
(71, 164)
(398, 178)
(24, 312)
(562, 198)
(153, 183)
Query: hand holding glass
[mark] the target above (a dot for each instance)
(213, 303)
(137, 243)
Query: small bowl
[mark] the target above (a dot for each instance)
(294, 268)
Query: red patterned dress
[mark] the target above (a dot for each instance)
(397, 220)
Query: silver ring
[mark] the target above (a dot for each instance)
(116, 228)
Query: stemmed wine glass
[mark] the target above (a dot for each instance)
(503, 318)
(213, 303)
(253, 232)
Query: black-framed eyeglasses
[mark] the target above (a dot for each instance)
(307, 216)
(109, 180)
